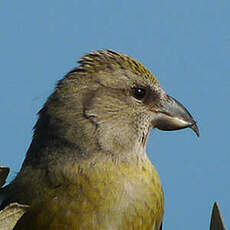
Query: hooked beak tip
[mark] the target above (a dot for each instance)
(195, 128)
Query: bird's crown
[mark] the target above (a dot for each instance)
(108, 60)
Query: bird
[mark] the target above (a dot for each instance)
(87, 167)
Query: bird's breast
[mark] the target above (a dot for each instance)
(105, 196)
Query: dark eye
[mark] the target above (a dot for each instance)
(139, 93)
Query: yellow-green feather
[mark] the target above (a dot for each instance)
(101, 199)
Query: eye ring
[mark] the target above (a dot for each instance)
(139, 93)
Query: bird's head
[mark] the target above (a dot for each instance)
(111, 101)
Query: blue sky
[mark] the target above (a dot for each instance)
(186, 44)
